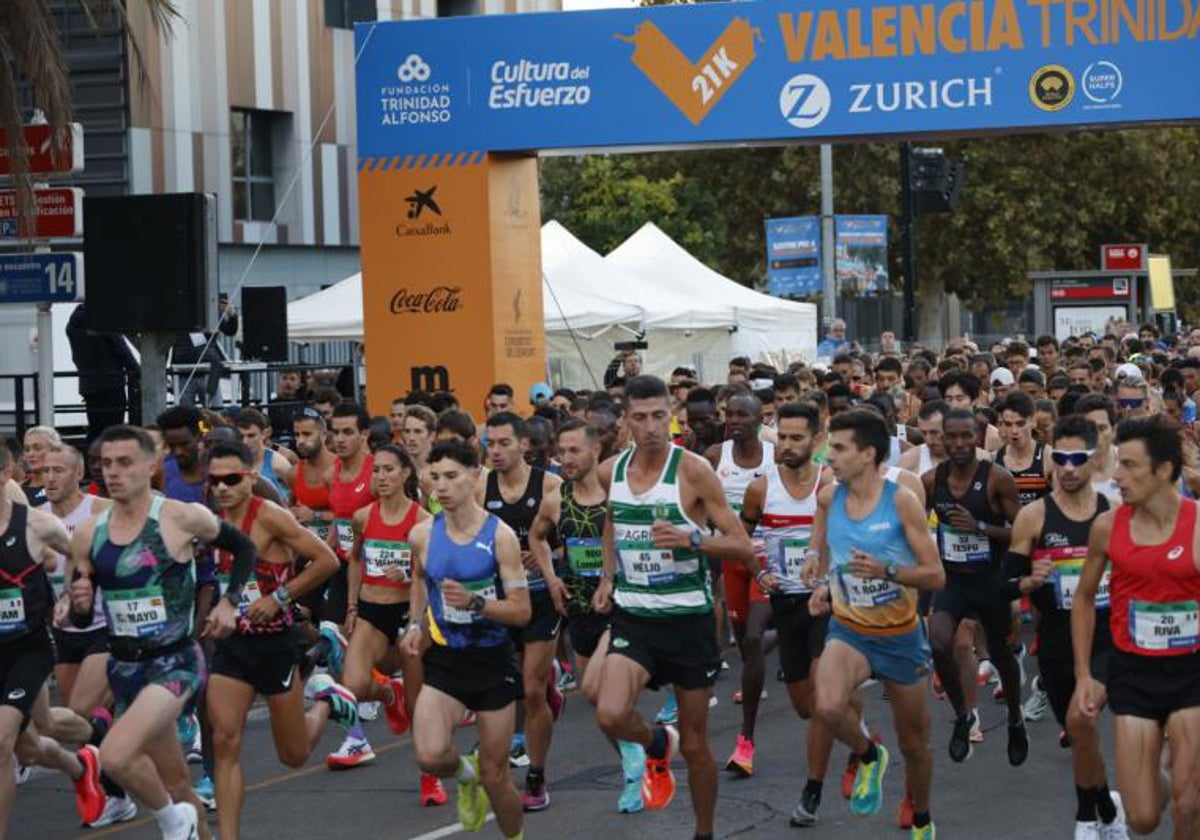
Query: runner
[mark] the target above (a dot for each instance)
(30, 542)
(514, 493)
(740, 459)
(262, 654)
(268, 464)
(1103, 412)
(467, 570)
(662, 629)
(872, 541)
(1152, 544)
(783, 503)
(38, 441)
(573, 516)
(380, 582)
(420, 424)
(140, 554)
(1020, 454)
(1045, 560)
(973, 500)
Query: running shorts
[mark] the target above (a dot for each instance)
(902, 658)
(741, 590)
(25, 665)
(801, 635)
(267, 661)
(586, 630)
(386, 618)
(336, 596)
(1057, 678)
(680, 651)
(979, 596)
(73, 648)
(179, 668)
(484, 679)
(1152, 687)
(544, 623)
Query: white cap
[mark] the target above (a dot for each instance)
(1002, 376)
(1127, 370)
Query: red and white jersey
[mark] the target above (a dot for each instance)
(786, 526)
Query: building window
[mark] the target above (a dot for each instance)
(250, 135)
(457, 8)
(343, 14)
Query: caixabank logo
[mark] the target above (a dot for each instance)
(695, 87)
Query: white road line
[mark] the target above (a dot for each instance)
(446, 831)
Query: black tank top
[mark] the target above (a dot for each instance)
(1031, 481)
(1064, 541)
(966, 552)
(520, 514)
(25, 594)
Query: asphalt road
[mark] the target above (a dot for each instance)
(983, 798)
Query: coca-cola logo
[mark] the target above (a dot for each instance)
(436, 300)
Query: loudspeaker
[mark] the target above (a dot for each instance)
(151, 262)
(264, 323)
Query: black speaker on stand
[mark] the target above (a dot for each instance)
(264, 323)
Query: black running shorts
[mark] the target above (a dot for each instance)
(386, 618)
(484, 679)
(1153, 687)
(801, 635)
(680, 651)
(73, 648)
(25, 665)
(267, 661)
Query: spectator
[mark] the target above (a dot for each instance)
(103, 361)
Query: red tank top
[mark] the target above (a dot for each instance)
(315, 499)
(266, 579)
(1155, 589)
(386, 547)
(345, 498)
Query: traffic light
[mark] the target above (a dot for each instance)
(935, 181)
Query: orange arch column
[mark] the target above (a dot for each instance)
(452, 278)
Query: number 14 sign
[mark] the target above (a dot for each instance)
(41, 278)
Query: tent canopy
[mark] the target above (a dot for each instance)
(333, 314)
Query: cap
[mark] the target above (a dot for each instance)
(540, 393)
(1001, 376)
(1127, 370)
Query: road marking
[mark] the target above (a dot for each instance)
(447, 831)
(121, 828)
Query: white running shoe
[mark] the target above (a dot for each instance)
(1115, 830)
(1087, 831)
(977, 729)
(117, 809)
(189, 823)
(1038, 703)
(368, 710)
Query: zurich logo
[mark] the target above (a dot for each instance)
(805, 101)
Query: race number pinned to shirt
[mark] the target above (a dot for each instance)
(319, 529)
(585, 556)
(1164, 626)
(12, 612)
(382, 557)
(249, 594)
(792, 556)
(345, 534)
(136, 613)
(965, 547)
(861, 592)
(460, 615)
(1067, 575)
(644, 565)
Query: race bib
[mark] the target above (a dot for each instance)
(644, 565)
(319, 529)
(791, 560)
(1164, 626)
(250, 592)
(12, 612)
(136, 613)
(460, 615)
(381, 557)
(58, 583)
(868, 593)
(345, 534)
(585, 556)
(965, 548)
(1066, 584)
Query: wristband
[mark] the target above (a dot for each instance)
(412, 628)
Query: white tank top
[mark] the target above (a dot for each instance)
(894, 452)
(787, 528)
(924, 459)
(892, 474)
(735, 479)
(81, 514)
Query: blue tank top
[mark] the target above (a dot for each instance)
(474, 566)
(268, 474)
(175, 486)
(873, 606)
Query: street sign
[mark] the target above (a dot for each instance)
(41, 278)
(59, 214)
(1124, 257)
(1089, 288)
(41, 155)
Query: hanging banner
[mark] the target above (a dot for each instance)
(794, 256)
(770, 71)
(861, 255)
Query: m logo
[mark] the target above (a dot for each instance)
(695, 88)
(430, 378)
(422, 200)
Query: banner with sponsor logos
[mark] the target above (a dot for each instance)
(782, 70)
(861, 247)
(794, 256)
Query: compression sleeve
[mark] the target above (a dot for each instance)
(239, 545)
(1016, 566)
(81, 621)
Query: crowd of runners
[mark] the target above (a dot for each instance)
(931, 522)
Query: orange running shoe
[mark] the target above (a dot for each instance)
(904, 816)
(432, 792)
(658, 786)
(396, 712)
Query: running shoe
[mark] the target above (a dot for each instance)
(742, 760)
(354, 752)
(22, 773)
(985, 673)
(206, 792)
(904, 815)
(189, 822)
(805, 813)
(432, 791)
(396, 712)
(368, 711)
(117, 809)
(867, 796)
(556, 700)
(518, 756)
(925, 832)
(633, 769)
(468, 719)
(1038, 703)
(713, 702)
(1018, 744)
(566, 677)
(960, 739)
(473, 804)
(737, 696)
(188, 729)
(658, 787)
(330, 632)
(1087, 830)
(537, 794)
(89, 795)
(1115, 830)
(343, 706)
(977, 729)
(852, 768)
(668, 715)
